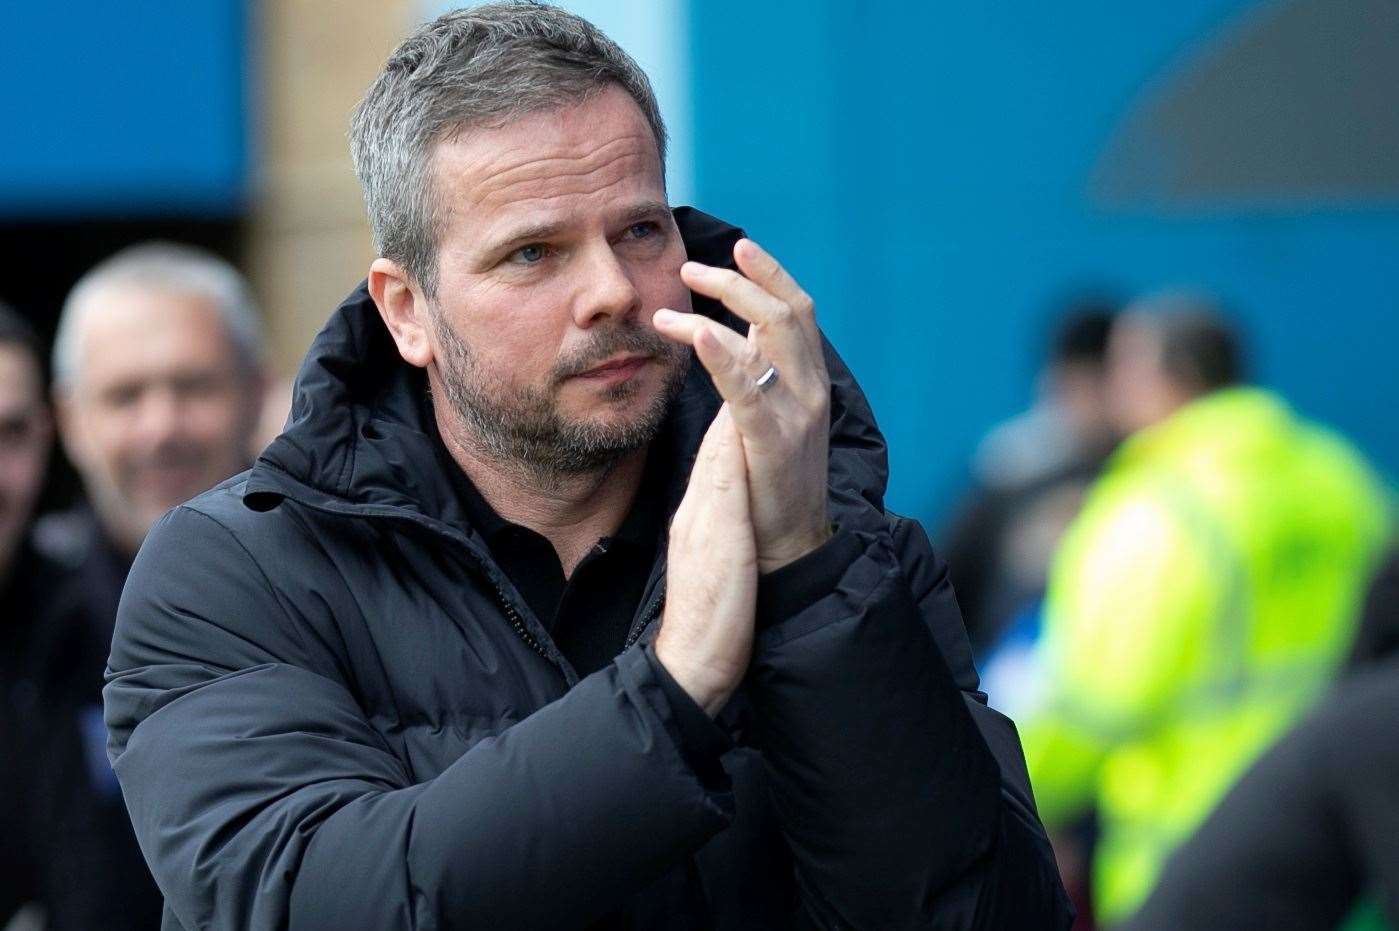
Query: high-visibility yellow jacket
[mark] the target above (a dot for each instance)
(1201, 599)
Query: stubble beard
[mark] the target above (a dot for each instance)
(523, 428)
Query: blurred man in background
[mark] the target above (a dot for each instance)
(1378, 636)
(1200, 601)
(26, 582)
(1028, 478)
(158, 383)
(25, 433)
(157, 387)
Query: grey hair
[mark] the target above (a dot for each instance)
(163, 266)
(482, 66)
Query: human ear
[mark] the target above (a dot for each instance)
(404, 310)
(71, 429)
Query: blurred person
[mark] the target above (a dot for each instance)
(157, 383)
(157, 391)
(1030, 476)
(157, 388)
(1203, 597)
(27, 581)
(443, 658)
(1378, 634)
(1028, 479)
(1308, 838)
(1071, 419)
(25, 433)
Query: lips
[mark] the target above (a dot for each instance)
(617, 369)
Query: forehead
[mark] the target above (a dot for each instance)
(19, 379)
(557, 164)
(135, 331)
(1133, 334)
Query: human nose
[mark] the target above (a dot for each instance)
(606, 290)
(158, 417)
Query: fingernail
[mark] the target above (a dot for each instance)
(664, 315)
(694, 268)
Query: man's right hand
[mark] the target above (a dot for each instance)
(706, 635)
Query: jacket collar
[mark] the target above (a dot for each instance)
(360, 437)
(1242, 417)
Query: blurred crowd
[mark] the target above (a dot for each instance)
(1181, 590)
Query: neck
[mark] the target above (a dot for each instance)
(571, 511)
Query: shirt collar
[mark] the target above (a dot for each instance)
(640, 528)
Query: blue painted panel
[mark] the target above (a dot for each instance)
(123, 106)
(924, 170)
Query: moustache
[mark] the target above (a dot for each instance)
(628, 337)
(172, 456)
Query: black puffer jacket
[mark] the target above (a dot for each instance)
(329, 709)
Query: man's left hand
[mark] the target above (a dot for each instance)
(784, 424)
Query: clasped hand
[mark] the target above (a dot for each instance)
(756, 500)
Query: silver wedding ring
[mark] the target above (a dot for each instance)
(767, 379)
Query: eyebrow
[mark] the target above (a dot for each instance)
(539, 232)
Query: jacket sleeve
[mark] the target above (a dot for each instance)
(903, 797)
(263, 798)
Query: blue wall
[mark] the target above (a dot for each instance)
(924, 170)
(123, 107)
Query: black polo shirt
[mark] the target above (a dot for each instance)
(590, 613)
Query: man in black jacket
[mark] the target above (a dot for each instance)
(156, 388)
(526, 622)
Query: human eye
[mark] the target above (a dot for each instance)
(532, 254)
(196, 384)
(14, 430)
(121, 396)
(644, 237)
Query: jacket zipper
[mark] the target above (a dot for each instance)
(512, 613)
(634, 634)
(517, 622)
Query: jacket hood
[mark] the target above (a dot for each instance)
(361, 438)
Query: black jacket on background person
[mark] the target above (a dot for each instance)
(64, 819)
(1377, 635)
(330, 708)
(1310, 830)
(24, 593)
